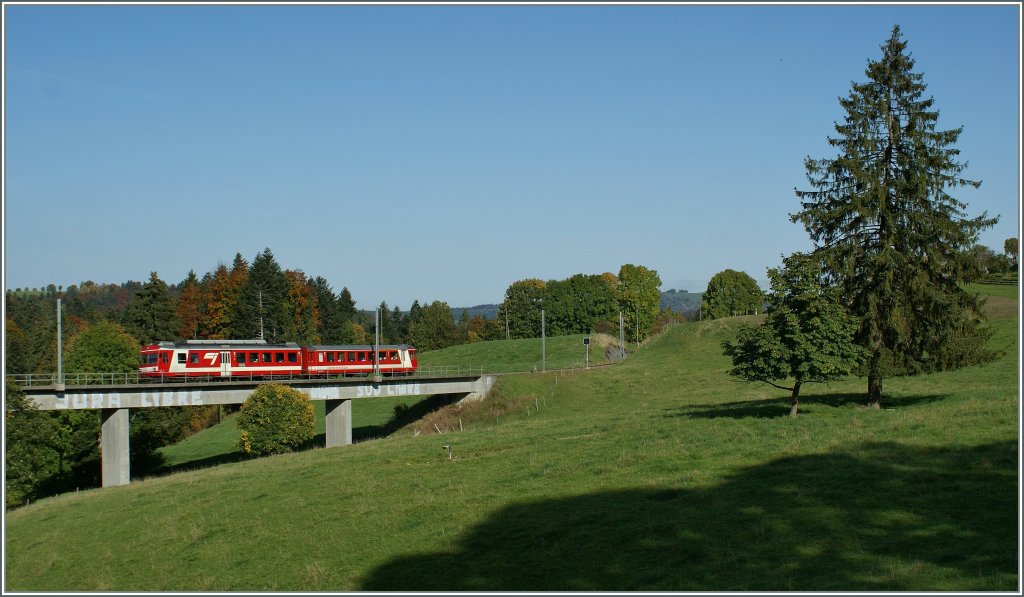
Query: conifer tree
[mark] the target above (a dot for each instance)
(260, 309)
(332, 326)
(892, 237)
(150, 316)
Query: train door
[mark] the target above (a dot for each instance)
(225, 363)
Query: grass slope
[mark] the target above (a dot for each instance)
(525, 354)
(217, 445)
(658, 474)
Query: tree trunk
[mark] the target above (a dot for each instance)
(874, 389)
(875, 381)
(795, 405)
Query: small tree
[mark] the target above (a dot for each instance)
(1012, 251)
(806, 335)
(275, 419)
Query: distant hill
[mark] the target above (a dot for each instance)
(681, 301)
(485, 311)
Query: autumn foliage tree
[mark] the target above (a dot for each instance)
(189, 307)
(217, 304)
(275, 419)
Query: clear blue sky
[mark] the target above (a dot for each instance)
(443, 152)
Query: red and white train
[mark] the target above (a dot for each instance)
(258, 359)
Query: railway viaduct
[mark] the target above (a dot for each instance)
(114, 401)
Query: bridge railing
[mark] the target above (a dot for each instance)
(91, 379)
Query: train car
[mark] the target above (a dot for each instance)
(358, 359)
(221, 359)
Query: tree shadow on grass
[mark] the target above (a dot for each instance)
(779, 407)
(881, 516)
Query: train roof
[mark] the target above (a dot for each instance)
(226, 344)
(361, 346)
(261, 344)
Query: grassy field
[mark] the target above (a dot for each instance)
(503, 356)
(659, 473)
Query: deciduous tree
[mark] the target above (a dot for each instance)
(217, 304)
(806, 336)
(731, 293)
(29, 459)
(1012, 251)
(639, 293)
(522, 305)
(275, 419)
(189, 308)
(435, 328)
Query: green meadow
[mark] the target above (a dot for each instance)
(659, 473)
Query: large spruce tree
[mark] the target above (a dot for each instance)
(260, 310)
(892, 237)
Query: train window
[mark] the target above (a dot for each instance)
(330, 357)
(278, 357)
(163, 359)
(193, 358)
(362, 357)
(181, 358)
(266, 357)
(241, 358)
(293, 357)
(254, 357)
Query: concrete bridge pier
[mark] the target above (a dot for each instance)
(115, 460)
(338, 423)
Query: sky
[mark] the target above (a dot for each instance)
(443, 152)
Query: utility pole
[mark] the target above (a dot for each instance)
(543, 349)
(260, 294)
(622, 332)
(376, 347)
(60, 349)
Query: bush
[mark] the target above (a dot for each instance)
(274, 420)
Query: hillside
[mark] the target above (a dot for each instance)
(659, 473)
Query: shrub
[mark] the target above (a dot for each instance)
(274, 420)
